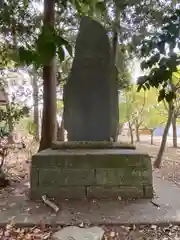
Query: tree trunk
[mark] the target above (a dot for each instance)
(10, 125)
(158, 160)
(174, 128)
(10, 136)
(152, 137)
(48, 133)
(114, 57)
(36, 104)
(131, 133)
(137, 132)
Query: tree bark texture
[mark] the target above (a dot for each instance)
(48, 133)
(158, 160)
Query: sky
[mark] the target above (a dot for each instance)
(38, 5)
(136, 71)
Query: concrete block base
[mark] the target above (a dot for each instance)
(91, 173)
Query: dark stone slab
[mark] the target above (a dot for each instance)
(90, 95)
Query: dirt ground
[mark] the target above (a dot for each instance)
(170, 167)
(17, 165)
(111, 233)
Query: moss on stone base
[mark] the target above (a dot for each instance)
(91, 145)
(88, 173)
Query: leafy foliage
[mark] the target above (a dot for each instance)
(25, 40)
(31, 127)
(48, 40)
(142, 108)
(132, 104)
(161, 57)
(21, 25)
(12, 112)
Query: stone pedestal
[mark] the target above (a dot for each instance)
(91, 173)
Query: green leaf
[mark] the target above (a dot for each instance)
(46, 45)
(60, 41)
(161, 47)
(61, 53)
(170, 96)
(174, 17)
(162, 95)
(25, 3)
(64, 3)
(155, 58)
(147, 85)
(26, 56)
(78, 6)
(139, 88)
(141, 80)
(25, 110)
(144, 65)
(163, 61)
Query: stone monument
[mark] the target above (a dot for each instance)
(89, 165)
(90, 95)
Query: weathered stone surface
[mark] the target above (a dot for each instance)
(76, 233)
(91, 145)
(121, 176)
(34, 173)
(55, 177)
(62, 177)
(90, 159)
(148, 191)
(89, 97)
(80, 177)
(81, 173)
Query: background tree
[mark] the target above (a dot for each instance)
(132, 105)
(141, 110)
(9, 116)
(49, 77)
(162, 59)
(176, 103)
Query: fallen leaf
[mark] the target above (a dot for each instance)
(81, 225)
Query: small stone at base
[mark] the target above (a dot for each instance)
(76, 233)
